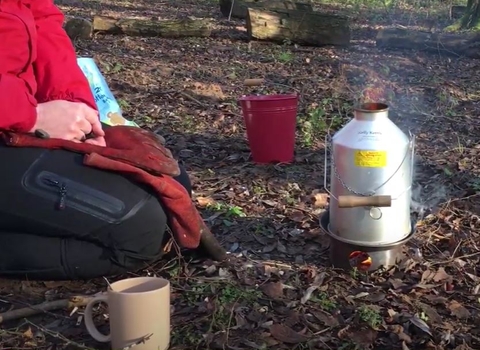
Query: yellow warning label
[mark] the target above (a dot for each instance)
(371, 159)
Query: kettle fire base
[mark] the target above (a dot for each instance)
(348, 255)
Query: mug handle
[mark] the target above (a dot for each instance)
(88, 315)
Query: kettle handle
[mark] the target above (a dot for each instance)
(356, 201)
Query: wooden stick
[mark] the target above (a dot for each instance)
(75, 301)
(254, 82)
(373, 201)
(183, 93)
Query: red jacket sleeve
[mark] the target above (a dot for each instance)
(56, 69)
(17, 81)
(18, 106)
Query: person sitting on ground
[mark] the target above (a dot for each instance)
(111, 224)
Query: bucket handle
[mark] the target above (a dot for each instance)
(373, 192)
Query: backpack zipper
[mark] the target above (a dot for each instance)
(65, 192)
(62, 191)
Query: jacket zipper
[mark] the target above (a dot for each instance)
(62, 191)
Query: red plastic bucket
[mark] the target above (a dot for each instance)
(271, 121)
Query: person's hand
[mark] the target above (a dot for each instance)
(97, 140)
(69, 121)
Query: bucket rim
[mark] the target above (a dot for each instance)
(272, 109)
(273, 97)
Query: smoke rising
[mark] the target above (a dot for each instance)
(428, 190)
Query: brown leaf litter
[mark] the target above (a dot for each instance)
(278, 290)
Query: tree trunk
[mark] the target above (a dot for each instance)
(304, 28)
(177, 28)
(457, 11)
(239, 9)
(470, 19)
(446, 43)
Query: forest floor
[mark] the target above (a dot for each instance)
(280, 291)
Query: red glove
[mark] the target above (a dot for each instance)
(128, 144)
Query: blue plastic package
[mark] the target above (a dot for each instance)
(108, 107)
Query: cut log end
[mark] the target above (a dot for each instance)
(79, 28)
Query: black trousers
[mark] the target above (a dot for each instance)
(62, 220)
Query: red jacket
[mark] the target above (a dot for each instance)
(37, 62)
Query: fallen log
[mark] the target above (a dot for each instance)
(457, 11)
(176, 28)
(304, 28)
(446, 43)
(240, 7)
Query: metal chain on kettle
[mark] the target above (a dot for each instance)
(351, 190)
(348, 188)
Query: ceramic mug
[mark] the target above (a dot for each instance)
(139, 314)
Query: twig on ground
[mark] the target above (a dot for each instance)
(233, 113)
(75, 301)
(231, 10)
(173, 243)
(459, 199)
(183, 93)
(59, 336)
(449, 261)
(230, 318)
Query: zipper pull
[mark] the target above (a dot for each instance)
(51, 182)
(63, 196)
(62, 190)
